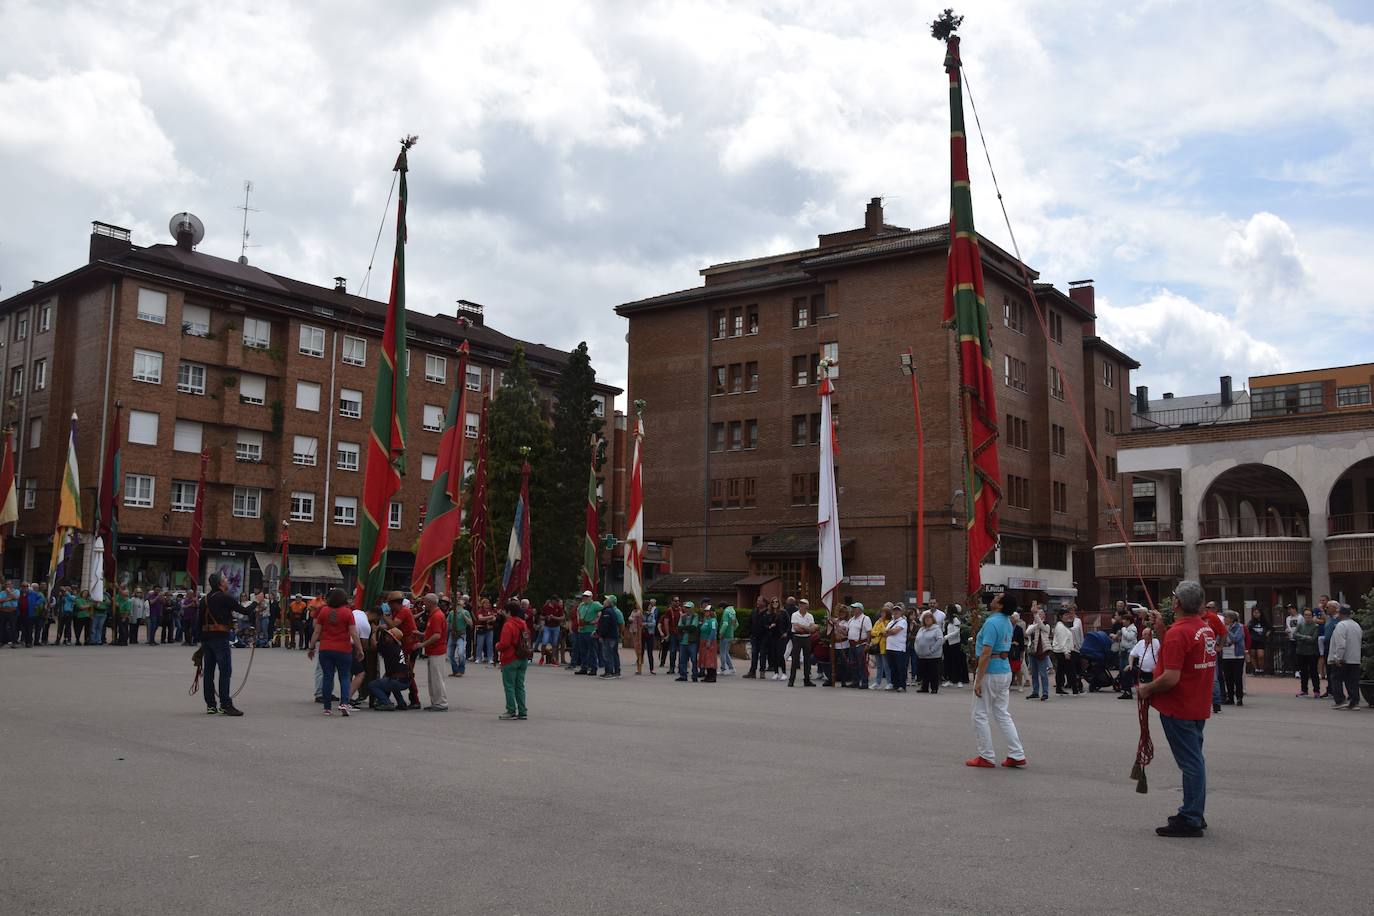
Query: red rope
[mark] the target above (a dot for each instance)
(1145, 750)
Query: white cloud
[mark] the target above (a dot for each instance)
(1270, 269)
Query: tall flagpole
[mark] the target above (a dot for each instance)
(828, 509)
(909, 367)
(634, 533)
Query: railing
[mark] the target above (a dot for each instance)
(1257, 527)
(1258, 556)
(1156, 531)
(1354, 523)
(1159, 560)
(1191, 416)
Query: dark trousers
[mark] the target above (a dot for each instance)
(168, 625)
(956, 665)
(1344, 681)
(64, 628)
(776, 662)
(26, 632)
(121, 634)
(6, 628)
(388, 690)
(153, 624)
(667, 657)
(757, 651)
(1233, 678)
(83, 631)
(841, 656)
(585, 652)
(216, 656)
(801, 657)
(928, 670)
(858, 665)
(896, 669)
(1307, 669)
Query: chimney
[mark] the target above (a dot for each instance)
(108, 240)
(1226, 391)
(1081, 291)
(873, 216)
(1142, 399)
(36, 283)
(340, 285)
(471, 312)
(1168, 395)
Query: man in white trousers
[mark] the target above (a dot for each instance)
(991, 686)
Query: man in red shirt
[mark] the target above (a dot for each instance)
(1213, 620)
(1182, 695)
(398, 615)
(433, 646)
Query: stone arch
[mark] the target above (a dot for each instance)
(1254, 500)
(1350, 500)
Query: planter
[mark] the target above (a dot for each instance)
(1367, 691)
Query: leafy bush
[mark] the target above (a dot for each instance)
(1365, 618)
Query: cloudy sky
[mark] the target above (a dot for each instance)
(1211, 165)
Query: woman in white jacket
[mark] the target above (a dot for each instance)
(1062, 647)
(1039, 638)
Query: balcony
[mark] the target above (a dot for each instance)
(1255, 556)
(1156, 531)
(1156, 560)
(1350, 546)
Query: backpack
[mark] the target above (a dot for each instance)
(524, 648)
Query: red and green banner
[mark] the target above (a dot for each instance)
(589, 563)
(9, 496)
(197, 525)
(284, 586)
(386, 445)
(634, 530)
(516, 575)
(966, 311)
(443, 515)
(478, 523)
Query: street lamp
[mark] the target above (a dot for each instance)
(908, 362)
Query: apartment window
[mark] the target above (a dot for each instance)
(433, 419)
(736, 322)
(1015, 373)
(184, 496)
(17, 381)
(1018, 433)
(820, 307)
(801, 370)
(257, 333)
(719, 322)
(736, 378)
(474, 379)
(1056, 383)
(718, 494)
(800, 426)
(751, 376)
(393, 518)
(248, 446)
(1053, 555)
(1286, 399)
(36, 432)
(1056, 323)
(717, 437)
(1352, 396)
(252, 388)
(751, 433)
(751, 320)
(749, 496)
(1109, 374)
(147, 367)
(191, 378)
(30, 492)
(312, 341)
(308, 396)
(1057, 444)
(717, 380)
(40, 374)
(304, 449)
(734, 491)
(354, 350)
(736, 435)
(350, 403)
(1017, 551)
(816, 427)
(471, 424)
(142, 427)
(799, 490)
(1013, 315)
(21, 326)
(346, 456)
(428, 464)
(814, 482)
(302, 507)
(1111, 467)
(1018, 492)
(247, 502)
(44, 317)
(436, 369)
(346, 510)
(138, 491)
(186, 436)
(195, 320)
(152, 306)
(1059, 495)
(801, 312)
(1109, 419)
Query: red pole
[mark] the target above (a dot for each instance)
(920, 484)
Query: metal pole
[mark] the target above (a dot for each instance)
(910, 364)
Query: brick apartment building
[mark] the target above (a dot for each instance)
(273, 375)
(729, 373)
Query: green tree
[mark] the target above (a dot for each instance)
(575, 424)
(514, 422)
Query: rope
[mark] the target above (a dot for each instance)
(1145, 750)
(1114, 510)
(367, 276)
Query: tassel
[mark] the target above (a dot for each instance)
(1141, 786)
(1137, 771)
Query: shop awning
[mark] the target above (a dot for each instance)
(304, 567)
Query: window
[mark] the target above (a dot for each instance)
(471, 424)
(148, 366)
(1018, 492)
(1018, 433)
(831, 351)
(749, 496)
(751, 433)
(1111, 467)
(800, 426)
(409, 354)
(1013, 315)
(393, 518)
(736, 435)
(1056, 384)
(248, 446)
(1281, 400)
(717, 437)
(345, 510)
(751, 320)
(304, 449)
(302, 507)
(40, 374)
(801, 312)
(718, 494)
(751, 376)
(21, 326)
(718, 324)
(184, 496)
(138, 491)
(45, 317)
(801, 371)
(191, 378)
(1053, 555)
(433, 419)
(1057, 439)
(152, 306)
(428, 463)
(355, 350)
(1056, 323)
(717, 380)
(474, 379)
(195, 320)
(734, 490)
(252, 388)
(17, 381)
(819, 307)
(1016, 551)
(1352, 396)
(350, 403)
(346, 456)
(1059, 494)
(312, 341)
(798, 489)
(598, 406)
(1109, 419)
(186, 436)
(736, 378)
(436, 369)
(36, 431)
(142, 427)
(257, 333)
(1015, 373)
(30, 492)
(1108, 375)
(247, 502)
(308, 396)
(737, 322)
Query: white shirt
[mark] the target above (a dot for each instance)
(1077, 634)
(859, 628)
(841, 634)
(955, 632)
(363, 624)
(1147, 652)
(1290, 624)
(1063, 639)
(802, 619)
(940, 619)
(896, 634)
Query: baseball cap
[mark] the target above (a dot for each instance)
(586, 594)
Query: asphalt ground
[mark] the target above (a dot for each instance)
(644, 795)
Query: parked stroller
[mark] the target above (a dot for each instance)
(1100, 661)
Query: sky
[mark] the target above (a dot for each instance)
(1209, 165)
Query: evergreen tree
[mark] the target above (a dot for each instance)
(513, 422)
(575, 424)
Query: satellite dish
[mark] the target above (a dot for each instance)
(187, 222)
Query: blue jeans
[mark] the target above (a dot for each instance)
(585, 652)
(858, 665)
(726, 663)
(215, 656)
(610, 653)
(336, 664)
(1216, 681)
(687, 655)
(1185, 740)
(880, 672)
(483, 649)
(98, 629)
(457, 646)
(896, 668)
(1040, 675)
(176, 628)
(389, 690)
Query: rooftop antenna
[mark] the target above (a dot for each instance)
(244, 246)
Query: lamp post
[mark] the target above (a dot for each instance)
(909, 370)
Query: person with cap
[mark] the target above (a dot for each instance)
(584, 644)
(894, 648)
(708, 643)
(837, 624)
(396, 675)
(689, 628)
(860, 632)
(433, 646)
(484, 630)
(729, 623)
(216, 622)
(459, 619)
(992, 686)
(609, 625)
(1343, 657)
(803, 625)
(398, 615)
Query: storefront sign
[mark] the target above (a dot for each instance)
(869, 581)
(1030, 585)
(347, 559)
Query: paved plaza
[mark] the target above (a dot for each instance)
(648, 796)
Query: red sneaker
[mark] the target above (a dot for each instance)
(981, 762)
(1012, 762)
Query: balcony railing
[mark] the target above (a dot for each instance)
(1156, 531)
(1237, 412)
(1158, 560)
(1354, 523)
(1255, 556)
(1258, 527)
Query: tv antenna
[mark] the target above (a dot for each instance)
(245, 245)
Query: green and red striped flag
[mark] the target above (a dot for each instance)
(386, 446)
(593, 528)
(966, 310)
(477, 524)
(444, 512)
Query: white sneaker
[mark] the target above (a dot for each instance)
(888, 687)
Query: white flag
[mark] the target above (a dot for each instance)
(828, 513)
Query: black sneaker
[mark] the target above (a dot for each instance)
(212, 710)
(507, 717)
(230, 711)
(1178, 829)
